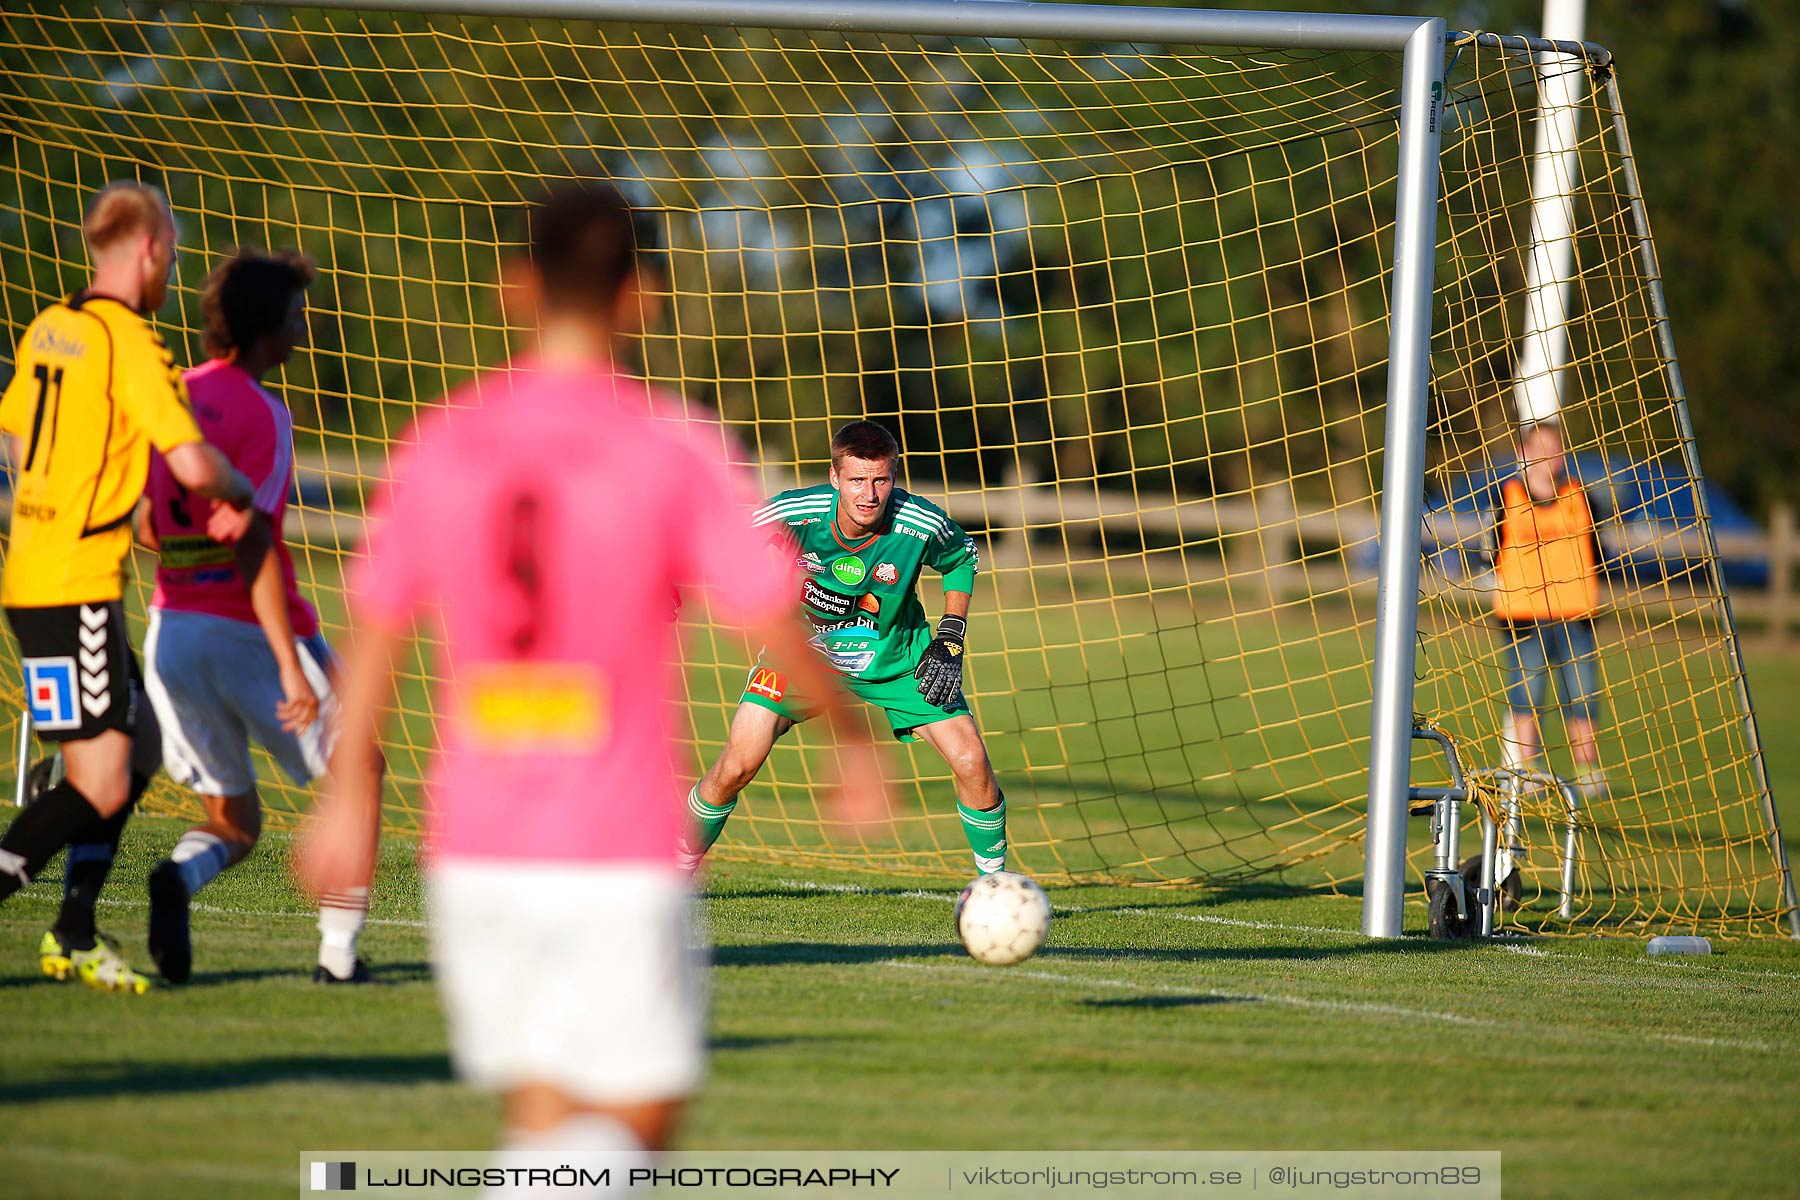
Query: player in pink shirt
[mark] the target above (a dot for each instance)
(542, 520)
(234, 650)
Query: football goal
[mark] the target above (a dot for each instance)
(1207, 325)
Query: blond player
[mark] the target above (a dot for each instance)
(93, 389)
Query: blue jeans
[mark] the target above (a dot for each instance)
(1534, 648)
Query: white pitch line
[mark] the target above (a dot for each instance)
(1200, 918)
(1233, 922)
(1519, 948)
(945, 898)
(1664, 964)
(808, 885)
(1385, 1010)
(1686, 1039)
(1297, 1001)
(221, 910)
(1349, 1006)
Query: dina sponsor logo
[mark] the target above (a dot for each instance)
(848, 570)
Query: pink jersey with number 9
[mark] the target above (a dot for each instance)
(256, 432)
(541, 522)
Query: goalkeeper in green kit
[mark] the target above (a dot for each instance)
(861, 543)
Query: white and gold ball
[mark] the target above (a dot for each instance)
(1002, 918)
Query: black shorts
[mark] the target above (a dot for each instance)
(81, 678)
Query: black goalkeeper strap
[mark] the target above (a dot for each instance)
(953, 628)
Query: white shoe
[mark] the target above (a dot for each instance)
(1591, 785)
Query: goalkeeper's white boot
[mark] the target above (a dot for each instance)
(1591, 786)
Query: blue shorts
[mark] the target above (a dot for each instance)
(1532, 649)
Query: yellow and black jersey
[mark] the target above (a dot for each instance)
(93, 389)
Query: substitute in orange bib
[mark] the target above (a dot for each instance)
(1547, 561)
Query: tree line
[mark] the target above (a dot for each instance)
(1111, 264)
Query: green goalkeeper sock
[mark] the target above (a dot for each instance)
(986, 831)
(709, 822)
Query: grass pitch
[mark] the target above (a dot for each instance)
(845, 1016)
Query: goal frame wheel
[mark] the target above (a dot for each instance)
(1442, 917)
(1510, 890)
(44, 774)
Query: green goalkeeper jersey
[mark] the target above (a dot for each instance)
(861, 595)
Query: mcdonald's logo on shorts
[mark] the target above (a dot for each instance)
(765, 681)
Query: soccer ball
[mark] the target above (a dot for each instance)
(1002, 918)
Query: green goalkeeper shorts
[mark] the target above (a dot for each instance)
(899, 698)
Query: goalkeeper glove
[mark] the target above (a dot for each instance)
(940, 668)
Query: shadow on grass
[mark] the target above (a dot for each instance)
(380, 974)
(948, 891)
(182, 1078)
(173, 1079)
(384, 974)
(1168, 1001)
(784, 954)
(1213, 895)
(787, 954)
(722, 1044)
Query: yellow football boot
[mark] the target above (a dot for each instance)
(54, 958)
(105, 968)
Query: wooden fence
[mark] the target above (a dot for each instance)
(1264, 540)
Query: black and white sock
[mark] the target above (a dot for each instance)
(85, 872)
(341, 917)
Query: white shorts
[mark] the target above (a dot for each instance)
(584, 977)
(214, 684)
